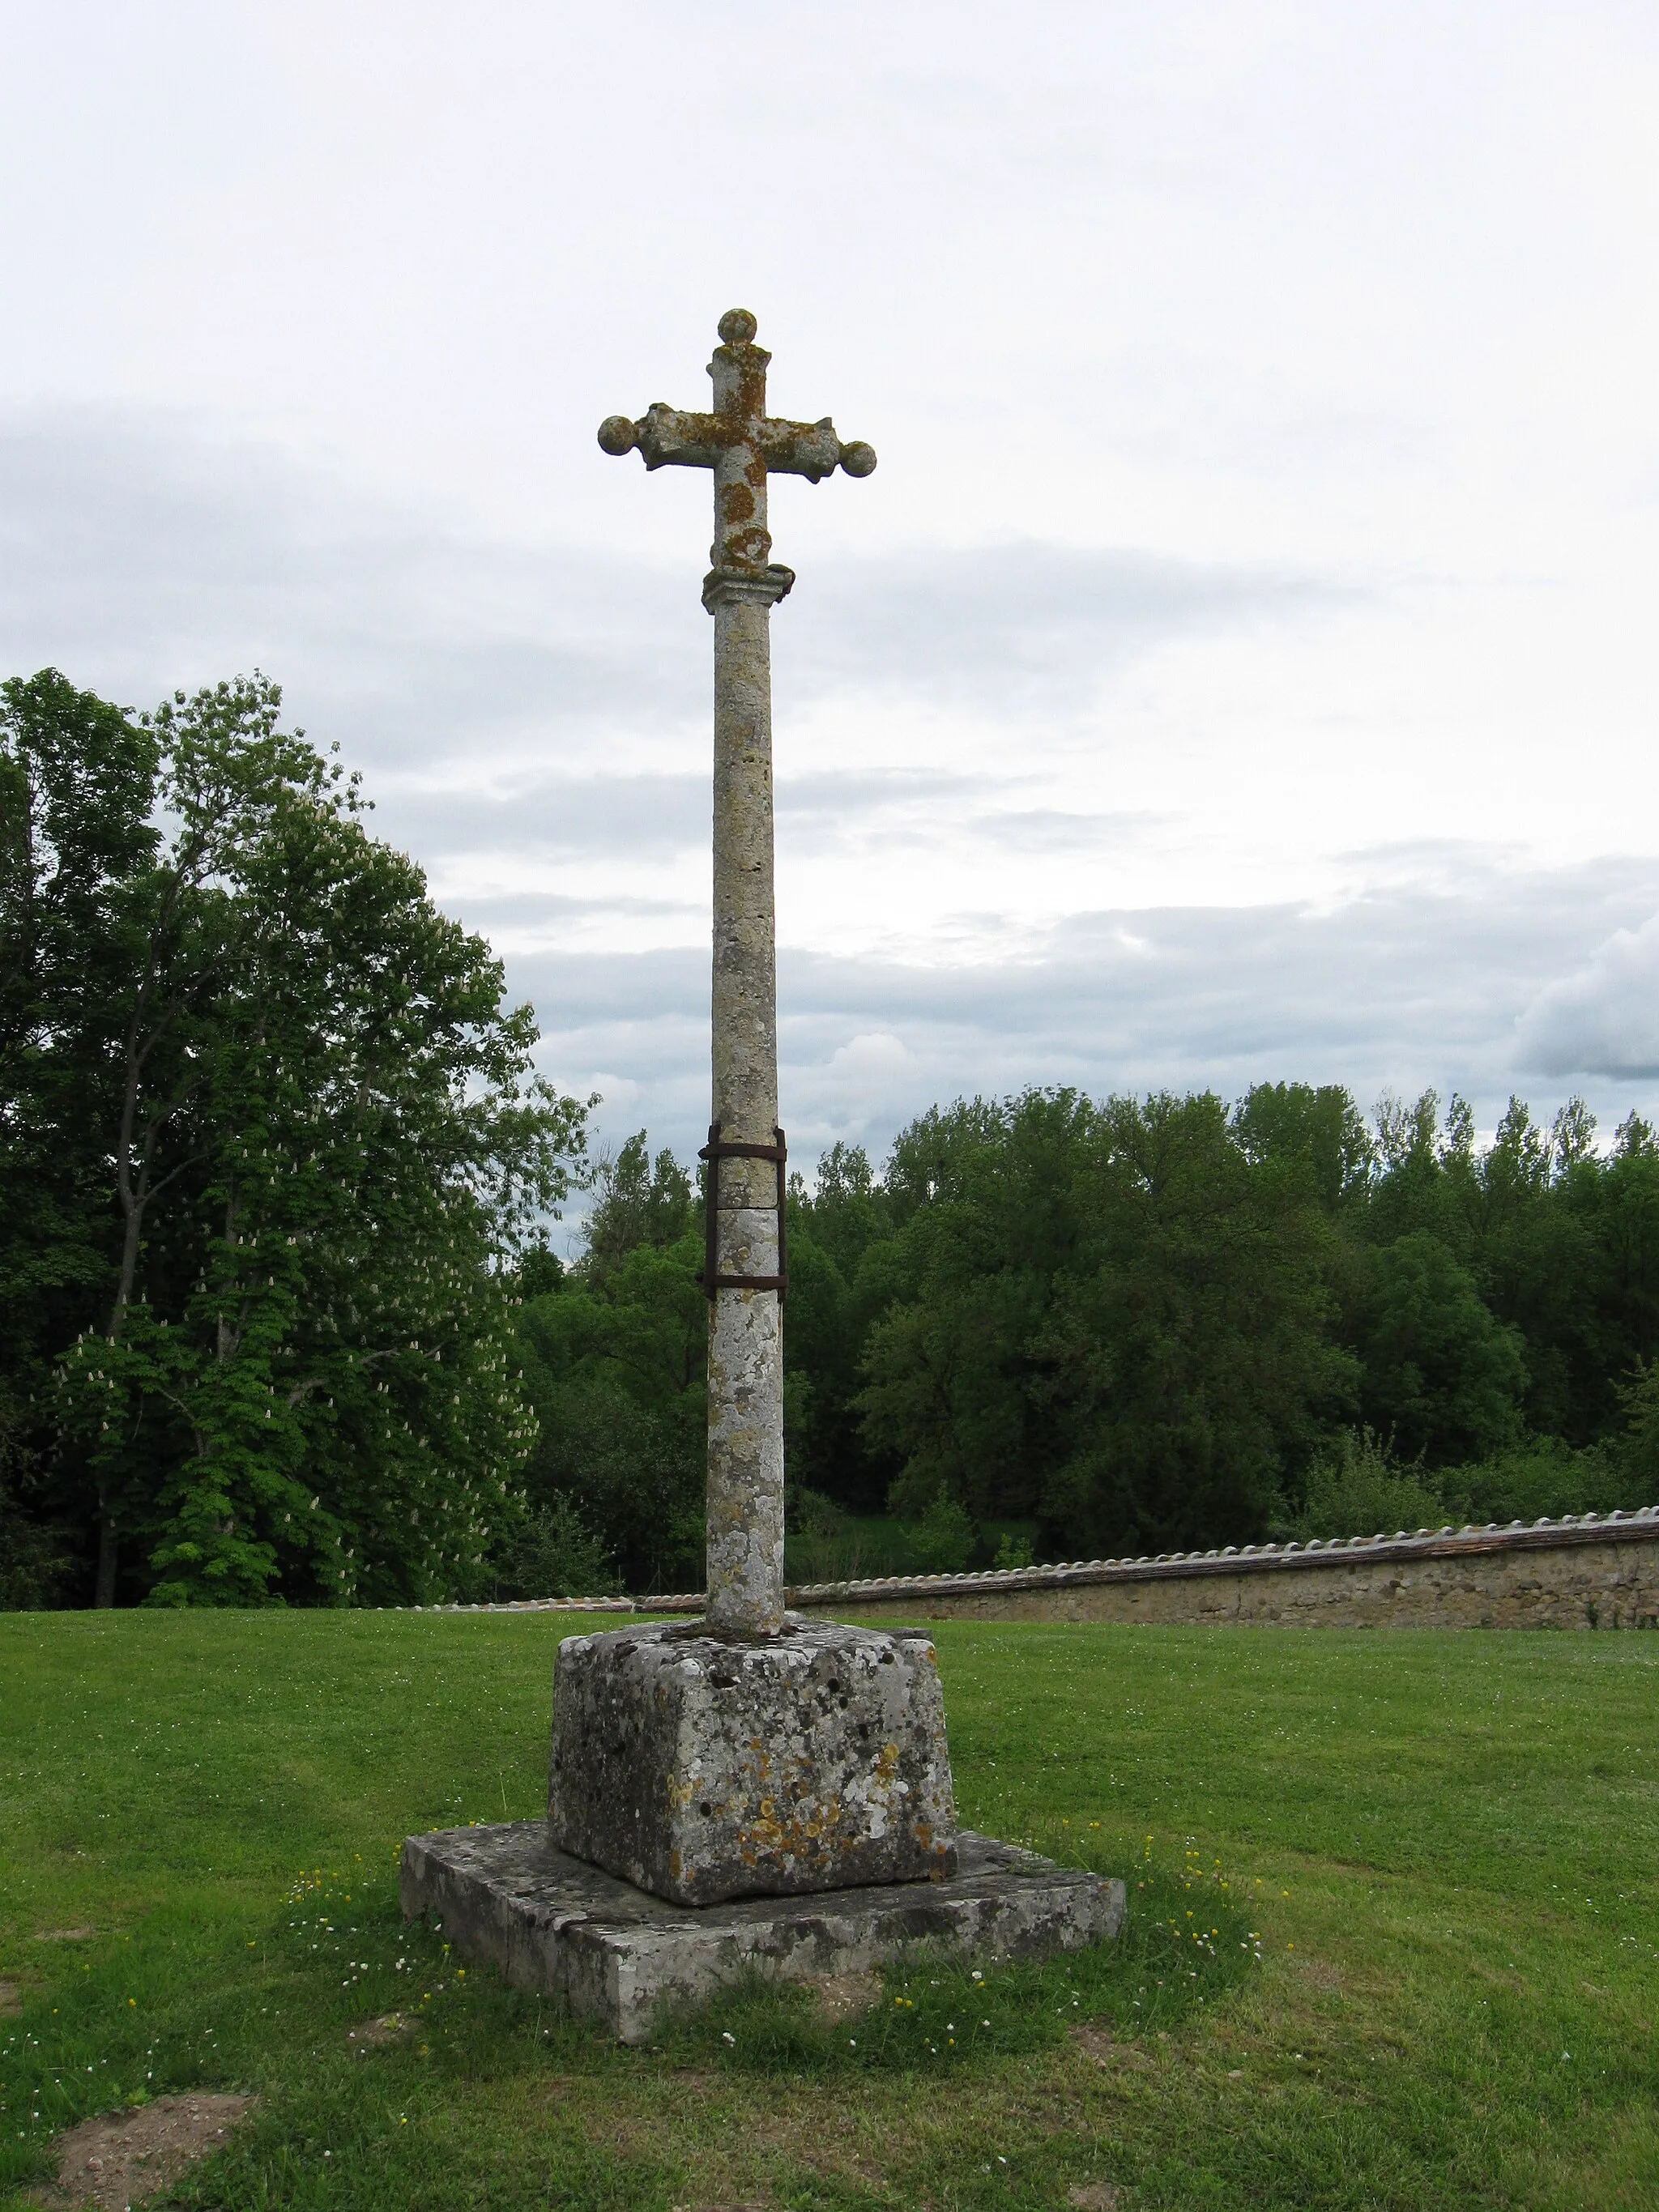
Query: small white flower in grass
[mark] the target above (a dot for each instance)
(726, 2037)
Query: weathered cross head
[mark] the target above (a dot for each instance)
(743, 445)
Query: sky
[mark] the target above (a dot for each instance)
(1242, 665)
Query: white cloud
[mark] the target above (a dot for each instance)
(1603, 1019)
(1409, 984)
(870, 1081)
(1237, 666)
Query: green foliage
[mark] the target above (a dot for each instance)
(1108, 1315)
(840, 1250)
(1539, 1478)
(34, 1557)
(1138, 1325)
(1356, 1488)
(298, 1135)
(77, 850)
(941, 1542)
(825, 1544)
(1440, 1370)
(1141, 1320)
(553, 1554)
(614, 1366)
(1320, 1132)
(638, 1202)
(1634, 1454)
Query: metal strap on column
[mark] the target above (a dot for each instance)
(716, 1150)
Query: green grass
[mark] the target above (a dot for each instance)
(1429, 1861)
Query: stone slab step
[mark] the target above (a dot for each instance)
(617, 1954)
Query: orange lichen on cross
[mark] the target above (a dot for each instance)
(740, 442)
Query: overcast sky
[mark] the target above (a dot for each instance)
(1242, 664)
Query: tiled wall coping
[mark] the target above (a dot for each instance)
(1246, 1559)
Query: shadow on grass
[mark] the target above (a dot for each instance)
(1184, 1944)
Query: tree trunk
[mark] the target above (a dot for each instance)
(104, 1592)
(103, 1596)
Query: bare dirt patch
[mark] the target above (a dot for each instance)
(812, 2131)
(1097, 2042)
(387, 2029)
(122, 2158)
(1094, 2197)
(844, 1996)
(1322, 1973)
(64, 1935)
(11, 1997)
(733, 2147)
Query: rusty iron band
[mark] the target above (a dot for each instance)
(716, 1150)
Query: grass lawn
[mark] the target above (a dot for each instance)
(1394, 1933)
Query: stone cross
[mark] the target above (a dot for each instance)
(746, 1274)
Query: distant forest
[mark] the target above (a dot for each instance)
(1062, 1328)
(280, 1322)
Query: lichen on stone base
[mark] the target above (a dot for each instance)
(703, 1766)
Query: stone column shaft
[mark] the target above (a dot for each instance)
(745, 1338)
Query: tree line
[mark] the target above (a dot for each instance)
(1133, 1325)
(280, 1320)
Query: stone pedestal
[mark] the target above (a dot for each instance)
(703, 1768)
(720, 1803)
(615, 1954)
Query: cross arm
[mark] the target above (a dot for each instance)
(668, 437)
(674, 437)
(811, 450)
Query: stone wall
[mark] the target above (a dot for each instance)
(1591, 1571)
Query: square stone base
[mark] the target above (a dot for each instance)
(703, 1768)
(616, 1953)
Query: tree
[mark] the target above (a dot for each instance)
(959, 1366)
(638, 1202)
(615, 1363)
(322, 1140)
(1319, 1130)
(1444, 1378)
(553, 1554)
(275, 1177)
(1107, 1316)
(1199, 1370)
(832, 1299)
(1634, 1455)
(77, 846)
